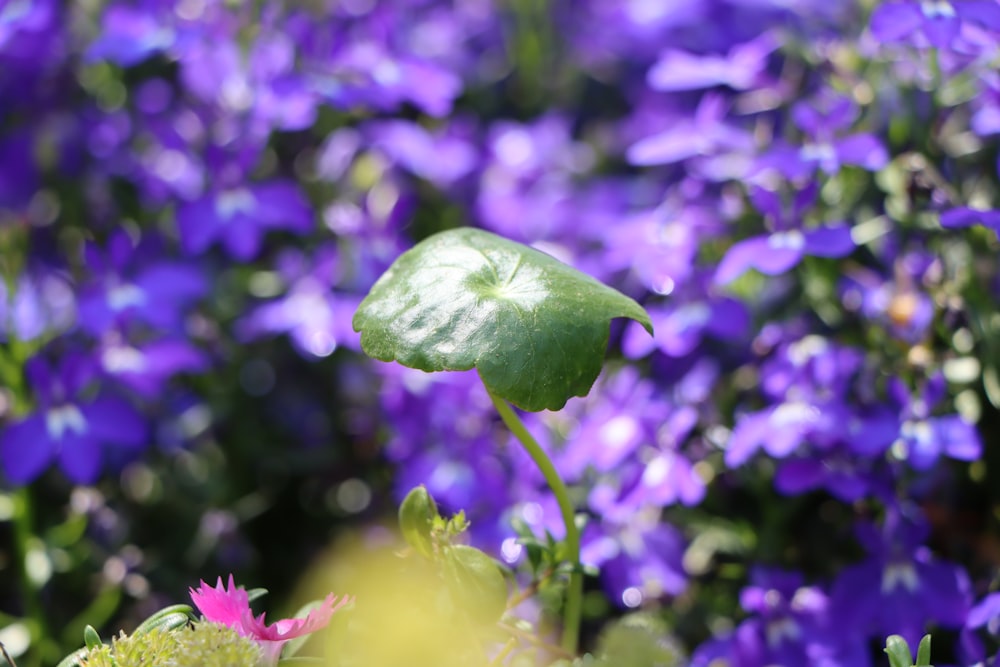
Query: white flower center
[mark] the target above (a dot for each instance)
(64, 418)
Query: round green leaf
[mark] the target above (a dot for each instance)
(535, 328)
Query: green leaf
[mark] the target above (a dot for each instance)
(924, 652)
(91, 638)
(898, 651)
(638, 640)
(416, 520)
(476, 582)
(535, 329)
(168, 618)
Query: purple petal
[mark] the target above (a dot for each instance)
(799, 475)
(668, 147)
(681, 70)
(26, 449)
(959, 439)
(198, 225)
(894, 21)
(966, 217)
(983, 12)
(80, 457)
(747, 437)
(739, 259)
(941, 31)
(242, 240)
(862, 150)
(281, 205)
(985, 611)
(829, 241)
(114, 421)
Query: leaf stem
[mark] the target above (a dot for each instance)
(574, 594)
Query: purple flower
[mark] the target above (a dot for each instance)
(134, 284)
(840, 471)
(145, 368)
(776, 253)
(441, 157)
(678, 330)
(935, 23)
(792, 625)
(923, 438)
(130, 35)
(825, 121)
(899, 304)
(640, 557)
(900, 587)
(701, 134)
(42, 304)
(317, 319)
(238, 217)
(741, 68)
(69, 425)
(781, 429)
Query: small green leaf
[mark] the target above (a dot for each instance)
(898, 651)
(535, 329)
(924, 652)
(416, 520)
(256, 594)
(90, 637)
(168, 618)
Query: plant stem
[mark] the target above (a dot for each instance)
(574, 594)
(23, 536)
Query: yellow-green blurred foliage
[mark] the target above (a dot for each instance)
(410, 611)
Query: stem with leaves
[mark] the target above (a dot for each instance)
(574, 594)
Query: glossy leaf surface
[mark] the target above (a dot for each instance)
(535, 328)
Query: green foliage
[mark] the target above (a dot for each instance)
(899, 652)
(637, 640)
(535, 328)
(201, 645)
(417, 513)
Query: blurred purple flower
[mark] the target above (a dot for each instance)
(825, 120)
(68, 425)
(901, 306)
(317, 318)
(839, 470)
(900, 587)
(932, 23)
(640, 557)
(779, 252)
(145, 368)
(238, 217)
(742, 68)
(703, 133)
(440, 157)
(792, 625)
(680, 329)
(130, 35)
(133, 283)
(42, 304)
(24, 18)
(924, 438)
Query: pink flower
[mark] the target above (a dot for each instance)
(229, 605)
